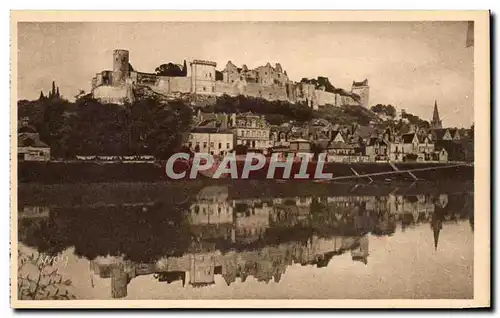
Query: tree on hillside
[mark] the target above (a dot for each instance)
(169, 69)
(389, 110)
(159, 128)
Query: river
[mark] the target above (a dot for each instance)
(257, 240)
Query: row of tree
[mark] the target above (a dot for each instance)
(88, 127)
(276, 112)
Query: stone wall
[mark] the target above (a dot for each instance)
(112, 94)
(222, 88)
(325, 98)
(267, 92)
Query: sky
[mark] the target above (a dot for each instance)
(408, 64)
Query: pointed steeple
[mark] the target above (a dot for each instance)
(57, 92)
(42, 97)
(436, 121)
(53, 88)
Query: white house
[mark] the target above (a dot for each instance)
(31, 148)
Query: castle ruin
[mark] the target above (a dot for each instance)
(201, 78)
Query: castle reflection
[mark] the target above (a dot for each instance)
(235, 236)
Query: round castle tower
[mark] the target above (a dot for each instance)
(120, 67)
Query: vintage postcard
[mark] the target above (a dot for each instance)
(260, 159)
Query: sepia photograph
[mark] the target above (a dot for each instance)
(260, 159)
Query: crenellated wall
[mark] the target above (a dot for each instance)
(267, 82)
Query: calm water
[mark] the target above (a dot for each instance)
(258, 240)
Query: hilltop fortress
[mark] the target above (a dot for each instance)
(202, 79)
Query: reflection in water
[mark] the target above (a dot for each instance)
(235, 237)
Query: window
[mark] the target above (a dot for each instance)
(204, 145)
(213, 89)
(220, 145)
(190, 144)
(227, 146)
(204, 88)
(212, 144)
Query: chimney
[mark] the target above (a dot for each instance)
(233, 119)
(224, 121)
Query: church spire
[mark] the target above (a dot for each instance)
(436, 121)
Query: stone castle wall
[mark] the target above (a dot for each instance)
(116, 86)
(113, 94)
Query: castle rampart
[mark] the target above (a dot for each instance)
(267, 82)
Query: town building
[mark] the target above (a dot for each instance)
(123, 84)
(31, 148)
(251, 130)
(210, 140)
(377, 149)
(411, 146)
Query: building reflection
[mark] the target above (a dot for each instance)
(234, 237)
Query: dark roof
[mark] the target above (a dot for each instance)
(30, 140)
(211, 130)
(408, 138)
(322, 143)
(363, 83)
(438, 133)
(26, 129)
(365, 131)
(340, 145)
(335, 133)
(452, 147)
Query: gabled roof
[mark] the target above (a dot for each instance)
(439, 133)
(336, 133)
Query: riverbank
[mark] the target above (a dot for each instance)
(96, 172)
